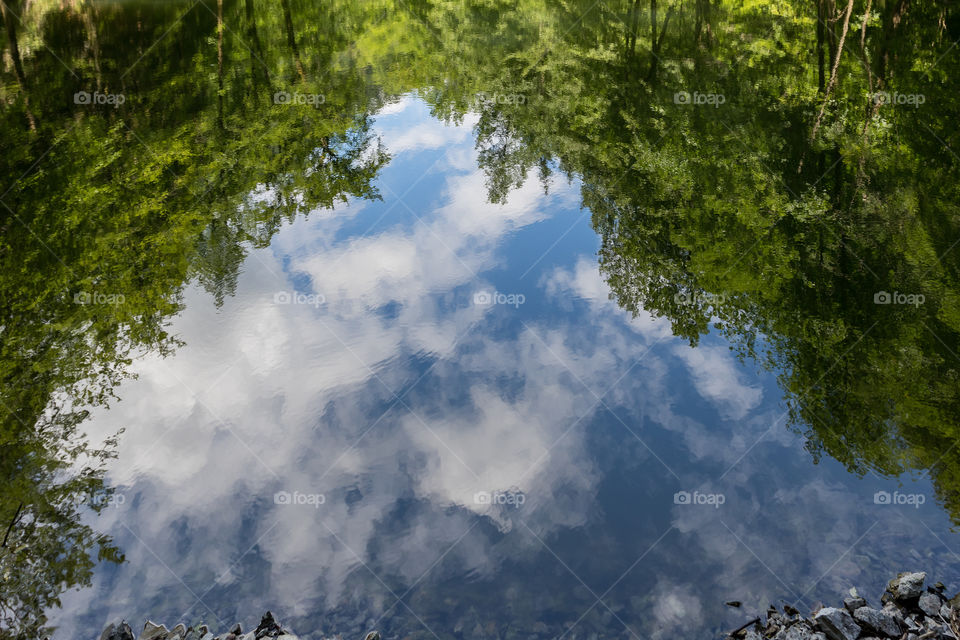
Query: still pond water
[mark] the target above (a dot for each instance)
(462, 321)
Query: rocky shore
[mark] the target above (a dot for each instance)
(268, 629)
(907, 612)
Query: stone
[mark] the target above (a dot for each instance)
(120, 631)
(800, 631)
(913, 623)
(373, 635)
(269, 627)
(178, 633)
(877, 621)
(929, 604)
(945, 611)
(853, 603)
(836, 624)
(907, 586)
(153, 631)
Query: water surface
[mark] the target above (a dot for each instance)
(461, 322)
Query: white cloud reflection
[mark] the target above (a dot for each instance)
(270, 397)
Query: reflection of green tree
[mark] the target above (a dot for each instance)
(194, 169)
(50, 476)
(791, 230)
(794, 230)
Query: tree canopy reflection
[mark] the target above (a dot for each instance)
(741, 174)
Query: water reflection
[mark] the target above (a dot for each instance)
(383, 377)
(400, 400)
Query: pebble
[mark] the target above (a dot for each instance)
(908, 613)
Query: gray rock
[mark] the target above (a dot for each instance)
(268, 627)
(929, 603)
(178, 633)
(876, 621)
(120, 631)
(913, 623)
(907, 586)
(752, 634)
(800, 631)
(945, 611)
(836, 624)
(853, 603)
(153, 631)
(373, 635)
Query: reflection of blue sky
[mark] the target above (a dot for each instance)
(399, 399)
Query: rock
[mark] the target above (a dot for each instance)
(800, 631)
(913, 623)
(179, 632)
(882, 622)
(268, 627)
(373, 635)
(121, 631)
(929, 604)
(733, 603)
(853, 603)
(836, 624)
(945, 611)
(153, 631)
(907, 586)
